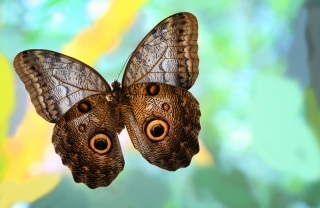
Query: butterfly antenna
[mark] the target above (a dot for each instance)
(125, 63)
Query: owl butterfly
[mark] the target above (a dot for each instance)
(161, 116)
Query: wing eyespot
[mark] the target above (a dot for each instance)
(153, 89)
(156, 130)
(82, 127)
(84, 106)
(100, 143)
(165, 106)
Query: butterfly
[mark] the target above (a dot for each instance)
(153, 102)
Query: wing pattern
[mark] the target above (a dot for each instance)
(168, 54)
(56, 82)
(161, 116)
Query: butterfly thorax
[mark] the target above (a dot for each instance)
(115, 85)
(120, 101)
(116, 92)
(118, 96)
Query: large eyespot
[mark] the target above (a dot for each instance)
(156, 129)
(100, 143)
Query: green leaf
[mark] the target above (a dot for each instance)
(281, 137)
(230, 189)
(137, 189)
(66, 194)
(313, 114)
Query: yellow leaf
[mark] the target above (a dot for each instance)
(204, 157)
(27, 145)
(6, 105)
(27, 191)
(104, 34)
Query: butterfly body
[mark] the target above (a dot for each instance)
(153, 103)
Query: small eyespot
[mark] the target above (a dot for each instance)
(157, 130)
(82, 127)
(165, 106)
(100, 143)
(84, 106)
(153, 89)
(180, 31)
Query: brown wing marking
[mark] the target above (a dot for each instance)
(56, 82)
(168, 54)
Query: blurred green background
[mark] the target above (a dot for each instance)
(258, 90)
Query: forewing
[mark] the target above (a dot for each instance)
(168, 54)
(163, 122)
(56, 82)
(87, 142)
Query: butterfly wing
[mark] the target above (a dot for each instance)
(163, 124)
(87, 142)
(73, 95)
(163, 117)
(168, 54)
(56, 82)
